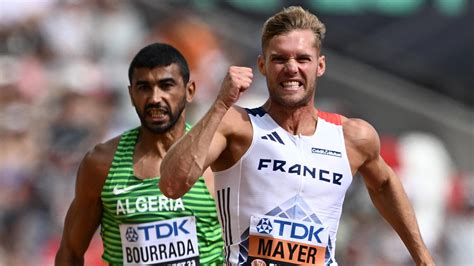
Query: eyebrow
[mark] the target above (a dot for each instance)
(167, 80)
(277, 55)
(141, 82)
(163, 80)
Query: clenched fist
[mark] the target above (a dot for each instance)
(237, 80)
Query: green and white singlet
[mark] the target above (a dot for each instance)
(141, 226)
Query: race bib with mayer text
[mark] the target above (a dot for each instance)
(168, 242)
(280, 241)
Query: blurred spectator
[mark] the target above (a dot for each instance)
(426, 180)
(425, 169)
(200, 45)
(118, 29)
(19, 159)
(459, 231)
(69, 29)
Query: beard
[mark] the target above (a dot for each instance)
(292, 102)
(160, 128)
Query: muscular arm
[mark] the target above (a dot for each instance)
(84, 214)
(385, 188)
(208, 176)
(198, 149)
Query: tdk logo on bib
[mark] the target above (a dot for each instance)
(164, 230)
(264, 226)
(290, 230)
(131, 235)
(166, 242)
(276, 241)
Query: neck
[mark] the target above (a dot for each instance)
(149, 142)
(297, 121)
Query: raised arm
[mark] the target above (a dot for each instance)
(84, 214)
(385, 188)
(193, 153)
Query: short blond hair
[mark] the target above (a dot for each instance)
(293, 18)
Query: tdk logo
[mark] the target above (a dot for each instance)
(131, 235)
(163, 230)
(326, 152)
(295, 230)
(264, 226)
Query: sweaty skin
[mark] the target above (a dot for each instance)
(291, 65)
(152, 86)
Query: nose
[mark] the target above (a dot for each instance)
(291, 66)
(156, 95)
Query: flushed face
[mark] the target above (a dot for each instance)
(291, 65)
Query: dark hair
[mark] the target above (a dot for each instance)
(159, 55)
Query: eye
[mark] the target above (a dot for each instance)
(143, 87)
(168, 85)
(278, 59)
(304, 59)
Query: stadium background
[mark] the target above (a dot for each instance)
(406, 66)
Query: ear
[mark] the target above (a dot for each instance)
(190, 90)
(321, 65)
(130, 95)
(261, 64)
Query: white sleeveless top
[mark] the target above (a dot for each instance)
(282, 201)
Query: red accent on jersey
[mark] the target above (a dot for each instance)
(330, 117)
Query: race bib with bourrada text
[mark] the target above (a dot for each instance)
(280, 241)
(169, 242)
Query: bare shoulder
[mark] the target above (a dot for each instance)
(361, 136)
(236, 115)
(95, 165)
(102, 154)
(356, 129)
(236, 122)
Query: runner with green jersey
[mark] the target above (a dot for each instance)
(117, 180)
(141, 226)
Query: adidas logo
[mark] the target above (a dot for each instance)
(273, 137)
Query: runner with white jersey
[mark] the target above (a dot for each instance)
(282, 170)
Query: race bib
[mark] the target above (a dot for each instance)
(280, 241)
(170, 242)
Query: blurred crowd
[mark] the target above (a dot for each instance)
(63, 88)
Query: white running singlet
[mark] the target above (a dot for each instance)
(280, 204)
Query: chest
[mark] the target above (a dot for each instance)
(146, 167)
(317, 163)
(133, 200)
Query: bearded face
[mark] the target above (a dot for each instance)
(159, 96)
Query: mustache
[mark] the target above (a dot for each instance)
(157, 106)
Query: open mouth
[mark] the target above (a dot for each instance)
(156, 113)
(291, 85)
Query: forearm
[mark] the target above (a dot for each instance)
(66, 257)
(187, 159)
(392, 202)
(81, 222)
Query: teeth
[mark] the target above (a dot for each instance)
(156, 112)
(290, 84)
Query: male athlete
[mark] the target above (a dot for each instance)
(117, 181)
(282, 170)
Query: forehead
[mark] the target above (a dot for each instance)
(157, 73)
(292, 43)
